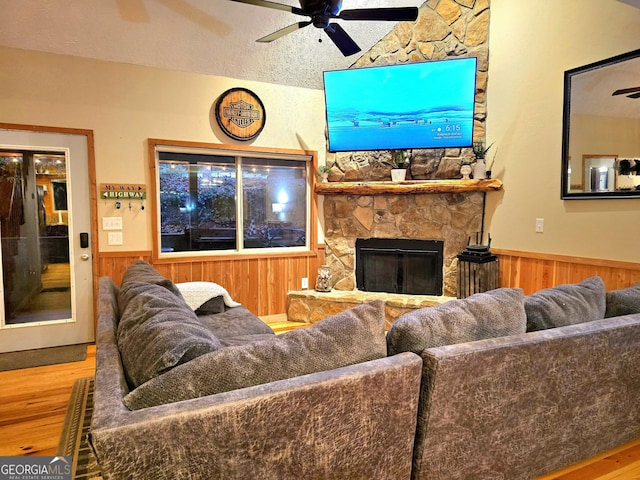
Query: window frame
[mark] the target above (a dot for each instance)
(175, 146)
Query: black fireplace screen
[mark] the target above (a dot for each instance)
(399, 266)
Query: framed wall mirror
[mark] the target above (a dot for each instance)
(601, 129)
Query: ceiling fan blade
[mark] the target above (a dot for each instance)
(342, 39)
(624, 91)
(282, 32)
(274, 5)
(400, 14)
(634, 95)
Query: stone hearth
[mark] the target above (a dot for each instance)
(310, 306)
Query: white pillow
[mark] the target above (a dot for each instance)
(197, 293)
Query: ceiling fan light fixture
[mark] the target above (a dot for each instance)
(320, 12)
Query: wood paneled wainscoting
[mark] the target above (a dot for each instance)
(259, 283)
(534, 271)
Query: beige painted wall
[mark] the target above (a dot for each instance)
(531, 45)
(126, 104)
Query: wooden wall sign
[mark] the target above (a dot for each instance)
(240, 114)
(126, 191)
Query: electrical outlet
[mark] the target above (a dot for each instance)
(114, 238)
(539, 225)
(305, 283)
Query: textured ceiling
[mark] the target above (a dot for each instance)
(205, 36)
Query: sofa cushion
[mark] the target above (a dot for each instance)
(157, 331)
(491, 314)
(566, 305)
(624, 301)
(234, 322)
(353, 336)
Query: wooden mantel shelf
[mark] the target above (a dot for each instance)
(407, 187)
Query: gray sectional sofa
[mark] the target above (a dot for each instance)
(495, 386)
(320, 402)
(518, 406)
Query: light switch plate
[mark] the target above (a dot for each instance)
(114, 238)
(111, 223)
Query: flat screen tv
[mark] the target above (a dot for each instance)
(413, 105)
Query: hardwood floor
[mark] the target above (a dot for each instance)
(33, 403)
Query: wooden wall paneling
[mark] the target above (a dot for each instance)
(218, 271)
(263, 286)
(226, 275)
(197, 269)
(534, 271)
(251, 285)
(278, 280)
(182, 272)
(298, 269)
(243, 285)
(114, 265)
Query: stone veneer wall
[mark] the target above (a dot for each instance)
(444, 29)
(449, 217)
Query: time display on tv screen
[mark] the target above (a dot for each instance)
(415, 105)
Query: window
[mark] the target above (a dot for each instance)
(219, 200)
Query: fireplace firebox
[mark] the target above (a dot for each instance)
(399, 266)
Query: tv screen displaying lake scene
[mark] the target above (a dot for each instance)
(414, 105)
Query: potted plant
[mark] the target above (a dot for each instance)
(323, 172)
(480, 152)
(399, 164)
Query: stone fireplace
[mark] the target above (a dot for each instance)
(450, 217)
(447, 211)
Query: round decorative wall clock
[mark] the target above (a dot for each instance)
(240, 114)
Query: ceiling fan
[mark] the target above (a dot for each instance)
(321, 12)
(634, 92)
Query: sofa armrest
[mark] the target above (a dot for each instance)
(352, 422)
(520, 406)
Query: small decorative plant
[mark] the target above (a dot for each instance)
(400, 162)
(323, 172)
(399, 159)
(479, 150)
(323, 169)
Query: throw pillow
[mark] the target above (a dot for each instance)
(352, 336)
(566, 305)
(212, 306)
(623, 302)
(491, 314)
(197, 293)
(158, 331)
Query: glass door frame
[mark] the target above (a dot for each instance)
(85, 327)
